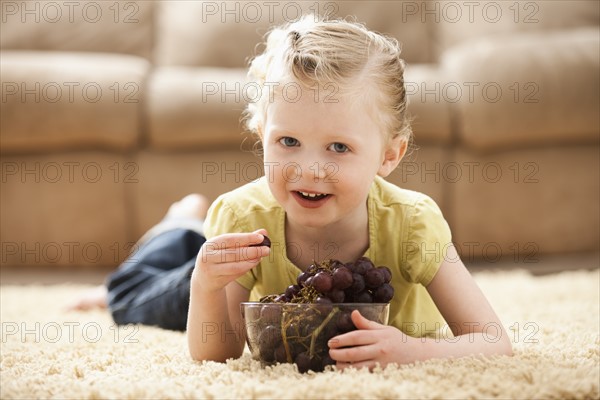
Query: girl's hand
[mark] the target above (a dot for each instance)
(226, 257)
(372, 344)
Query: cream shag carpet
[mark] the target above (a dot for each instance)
(553, 322)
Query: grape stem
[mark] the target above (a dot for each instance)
(288, 356)
(317, 331)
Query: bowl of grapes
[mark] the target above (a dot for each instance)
(295, 326)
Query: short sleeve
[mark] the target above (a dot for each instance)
(427, 241)
(222, 219)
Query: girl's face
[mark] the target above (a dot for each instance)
(321, 158)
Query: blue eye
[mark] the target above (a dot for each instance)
(339, 147)
(288, 141)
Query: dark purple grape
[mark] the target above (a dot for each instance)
(374, 278)
(282, 298)
(323, 300)
(270, 314)
(302, 277)
(292, 330)
(270, 335)
(363, 297)
(337, 296)
(316, 364)
(362, 265)
(350, 266)
(336, 264)
(348, 296)
(292, 291)
(266, 242)
(383, 294)
(329, 331)
(344, 323)
(387, 274)
(302, 360)
(327, 360)
(358, 283)
(280, 355)
(309, 280)
(266, 352)
(305, 363)
(322, 282)
(268, 340)
(342, 278)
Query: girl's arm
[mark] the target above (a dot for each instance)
(214, 327)
(475, 325)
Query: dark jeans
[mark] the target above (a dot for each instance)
(152, 286)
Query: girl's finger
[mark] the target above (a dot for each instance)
(233, 269)
(236, 240)
(362, 323)
(212, 254)
(354, 338)
(354, 354)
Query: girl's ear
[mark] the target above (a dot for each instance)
(396, 149)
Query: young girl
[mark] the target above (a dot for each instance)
(332, 122)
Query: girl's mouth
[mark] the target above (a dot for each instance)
(310, 200)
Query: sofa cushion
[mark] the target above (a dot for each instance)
(461, 21)
(429, 103)
(527, 89)
(54, 100)
(195, 107)
(208, 33)
(96, 26)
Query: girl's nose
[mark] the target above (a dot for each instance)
(318, 171)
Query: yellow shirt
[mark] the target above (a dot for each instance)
(407, 233)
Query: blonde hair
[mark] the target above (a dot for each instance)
(316, 51)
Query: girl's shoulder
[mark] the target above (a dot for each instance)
(386, 194)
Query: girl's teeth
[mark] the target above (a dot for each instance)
(311, 195)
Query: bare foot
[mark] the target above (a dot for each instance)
(92, 298)
(191, 206)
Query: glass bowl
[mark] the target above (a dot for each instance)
(298, 332)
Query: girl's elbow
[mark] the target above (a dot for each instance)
(201, 354)
(195, 354)
(505, 348)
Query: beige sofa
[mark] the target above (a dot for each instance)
(112, 110)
